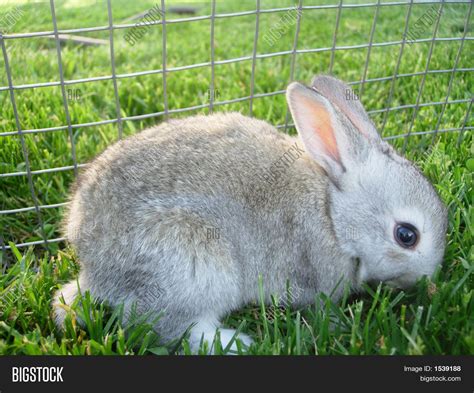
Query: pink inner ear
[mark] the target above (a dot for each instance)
(320, 122)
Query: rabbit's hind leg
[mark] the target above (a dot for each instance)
(200, 280)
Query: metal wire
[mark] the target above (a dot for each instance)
(397, 67)
(293, 55)
(369, 50)
(338, 5)
(423, 80)
(23, 145)
(226, 102)
(254, 58)
(334, 37)
(212, 87)
(63, 88)
(227, 15)
(114, 76)
(229, 61)
(164, 55)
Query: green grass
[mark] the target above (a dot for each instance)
(433, 318)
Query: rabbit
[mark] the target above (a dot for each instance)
(183, 219)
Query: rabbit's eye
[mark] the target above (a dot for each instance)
(406, 235)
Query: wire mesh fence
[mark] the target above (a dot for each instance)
(420, 29)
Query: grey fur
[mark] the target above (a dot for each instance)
(140, 213)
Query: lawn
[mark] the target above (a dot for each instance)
(435, 317)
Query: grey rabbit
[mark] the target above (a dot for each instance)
(184, 217)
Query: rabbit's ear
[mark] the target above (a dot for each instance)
(341, 95)
(327, 140)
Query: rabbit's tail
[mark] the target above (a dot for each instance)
(63, 299)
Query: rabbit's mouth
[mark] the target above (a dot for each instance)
(397, 281)
(394, 284)
(401, 281)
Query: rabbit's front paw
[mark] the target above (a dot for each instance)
(206, 331)
(228, 334)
